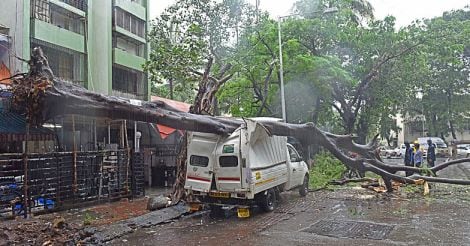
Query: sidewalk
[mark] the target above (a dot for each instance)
(40, 229)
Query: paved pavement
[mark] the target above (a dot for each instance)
(347, 215)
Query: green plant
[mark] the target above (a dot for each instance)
(326, 168)
(88, 219)
(412, 189)
(427, 171)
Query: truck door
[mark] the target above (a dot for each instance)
(201, 161)
(297, 170)
(228, 169)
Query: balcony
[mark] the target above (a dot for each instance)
(59, 14)
(59, 36)
(129, 83)
(133, 7)
(76, 9)
(78, 4)
(129, 25)
(66, 64)
(128, 60)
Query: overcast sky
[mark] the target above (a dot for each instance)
(404, 10)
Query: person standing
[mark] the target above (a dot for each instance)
(418, 156)
(408, 158)
(431, 157)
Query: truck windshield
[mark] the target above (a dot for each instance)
(199, 161)
(228, 161)
(294, 157)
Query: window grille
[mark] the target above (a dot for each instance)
(50, 13)
(128, 44)
(124, 80)
(65, 64)
(79, 4)
(129, 22)
(41, 10)
(129, 81)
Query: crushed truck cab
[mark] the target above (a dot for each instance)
(249, 167)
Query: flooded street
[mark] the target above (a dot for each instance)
(349, 214)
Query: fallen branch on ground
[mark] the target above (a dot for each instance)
(346, 181)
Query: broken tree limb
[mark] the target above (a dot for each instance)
(346, 181)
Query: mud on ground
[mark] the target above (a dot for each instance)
(66, 227)
(345, 215)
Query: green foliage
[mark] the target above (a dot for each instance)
(180, 92)
(441, 73)
(187, 33)
(326, 168)
(88, 218)
(345, 71)
(425, 170)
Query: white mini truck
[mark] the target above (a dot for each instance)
(248, 168)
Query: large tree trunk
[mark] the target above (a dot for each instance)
(205, 103)
(43, 98)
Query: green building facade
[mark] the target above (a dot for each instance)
(99, 44)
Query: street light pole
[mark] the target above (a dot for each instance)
(281, 72)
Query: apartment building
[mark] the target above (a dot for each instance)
(99, 44)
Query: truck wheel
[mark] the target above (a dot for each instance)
(303, 189)
(268, 201)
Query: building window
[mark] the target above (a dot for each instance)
(41, 10)
(128, 44)
(128, 81)
(79, 4)
(129, 22)
(57, 16)
(66, 64)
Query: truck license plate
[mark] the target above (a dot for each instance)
(243, 212)
(219, 194)
(193, 207)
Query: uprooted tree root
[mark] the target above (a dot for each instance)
(54, 97)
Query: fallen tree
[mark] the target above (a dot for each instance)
(42, 97)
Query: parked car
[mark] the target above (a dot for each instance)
(389, 152)
(441, 146)
(402, 149)
(463, 151)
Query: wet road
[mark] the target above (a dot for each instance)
(348, 215)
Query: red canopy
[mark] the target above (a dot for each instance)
(166, 131)
(4, 74)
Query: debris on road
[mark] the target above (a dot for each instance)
(158, 202)
(107, 233)
(37, 232)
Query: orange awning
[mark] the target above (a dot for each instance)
(4, 74)
(166, 131)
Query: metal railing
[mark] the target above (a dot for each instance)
(67, 179)
(79, 4)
